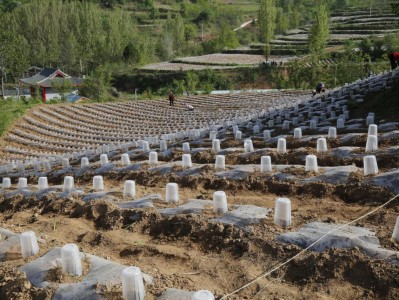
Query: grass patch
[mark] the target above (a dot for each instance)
(11, 110)
(246, 8)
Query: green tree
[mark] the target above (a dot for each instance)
(366, 46)
(192, 81)
(375, 48)
(190, 31)
(155, 13)
(164, 47)
(267, 23)
(183, 9)
(175, 30)
(320, 30)
(97, 86)
(227, 37)
(72, 34)
(68, 57)
(179, 86)
(282, 21)
(395, 8)
(391, 42)
(179, 34)
(63, 86)
(131, 52)
(139, 51)
(295, 18)
(13, 55)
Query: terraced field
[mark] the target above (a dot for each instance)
(104, 177)
(353, 25)
(65, 129)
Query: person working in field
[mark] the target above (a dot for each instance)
(394, 59)
(320, 88)
(171, 99)
(189, 107)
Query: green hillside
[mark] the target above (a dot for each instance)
(121, 35)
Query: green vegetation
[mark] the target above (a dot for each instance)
(206, 81)
(98, 85)
(159, 84)
(76, 36)
(83, 36)
(395, 8)
(62, 86)
(357, 60)
(267, 23)
(13, 55)
(12, 109)
(79, 36)
(108, 40)
(320, 30)
(348, 68)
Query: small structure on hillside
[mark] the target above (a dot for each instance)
(49, 82)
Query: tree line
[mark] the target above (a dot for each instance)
(81, 36)
(78, 36)
(75, 36)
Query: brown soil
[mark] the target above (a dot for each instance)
(56, 274)
(189, 252)
(14, 285)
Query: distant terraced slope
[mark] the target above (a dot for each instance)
(352, 25)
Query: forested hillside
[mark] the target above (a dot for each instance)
(80, 35)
